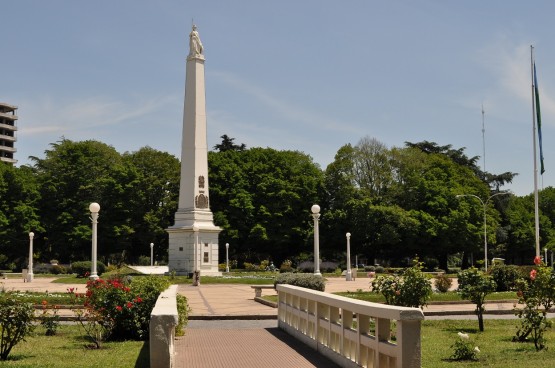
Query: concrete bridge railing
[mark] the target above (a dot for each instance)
(350, 332)
(163, 319)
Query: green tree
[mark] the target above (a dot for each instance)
(19, 197)
(152, 197)
(262, 198)
(475, 285)
(228, 145)
(71, 176)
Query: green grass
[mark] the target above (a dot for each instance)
(496, 347)
(450, 296)
(249, 278)
(67, 350)
(38, 297)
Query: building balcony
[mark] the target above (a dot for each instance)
(8, 116)
(8, 160)
(13, 128)
(7, 138)
(8, 149)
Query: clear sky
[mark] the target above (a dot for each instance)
(303, 75)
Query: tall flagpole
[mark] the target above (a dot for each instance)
(484, 139)
(536, 201)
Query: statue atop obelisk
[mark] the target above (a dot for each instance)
(193, 239)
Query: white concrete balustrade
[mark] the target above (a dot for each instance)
(351, 332)
(163, 319)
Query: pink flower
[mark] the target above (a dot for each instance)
(533, 274)
(537, 260)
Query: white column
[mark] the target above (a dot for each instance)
(227, 257)
(30, 266)
(316, 215)
(94, 208)
(349, 276)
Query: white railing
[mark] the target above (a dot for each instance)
(351, 332)
(163, 320)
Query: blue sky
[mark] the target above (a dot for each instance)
(301, 75)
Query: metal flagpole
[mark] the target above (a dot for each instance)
(536, 201)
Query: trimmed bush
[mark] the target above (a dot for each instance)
(370, 268)
(505, 277)
(58, 270)
(83, 269)
(302, 280)
(183, 312)
(443, 283)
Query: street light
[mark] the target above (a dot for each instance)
(151, 254)
(94, 208)
(30, 266)
(316, 214)
(227, 257)
(485, 206)
(349, 274)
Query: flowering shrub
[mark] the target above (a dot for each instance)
(537, 293)
(411, 288)
(16, 321)
(49, 320)
(475, 285)
(120, 309)
(464, 349)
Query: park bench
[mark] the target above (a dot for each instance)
(6, 275)
(258, 289)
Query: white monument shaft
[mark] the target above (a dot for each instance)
(193, 240)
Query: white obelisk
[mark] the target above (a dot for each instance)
(193, 239)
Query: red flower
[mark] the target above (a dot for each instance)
(533, 274)
(87, 274)
(537, 260)
(138, 300)
(129, 305)
(44, 302)
(119, 308)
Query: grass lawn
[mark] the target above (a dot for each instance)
(250, 278)
(67, 350)
(496, 347)
(436, 297)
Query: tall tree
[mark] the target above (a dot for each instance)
(19, 198)
(71, 176)
(228, 145)
(152, 198)
(262, 199)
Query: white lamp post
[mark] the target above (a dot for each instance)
(227, 257)
(485, 205)
(316, 214)
(30, 266)
(545, 258)
(151, 254)
(349, 276)
(94, 208)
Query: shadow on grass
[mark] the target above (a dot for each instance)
(143, 360)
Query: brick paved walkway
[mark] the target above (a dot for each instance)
(244, 347)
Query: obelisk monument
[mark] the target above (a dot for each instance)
(193, 239)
